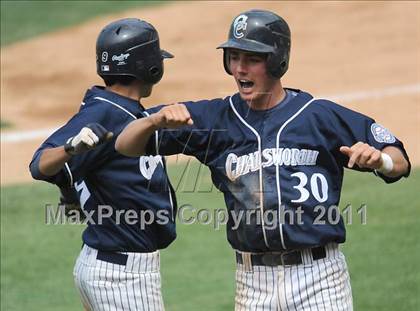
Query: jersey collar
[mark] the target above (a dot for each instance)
(131, 105)
(292, 102)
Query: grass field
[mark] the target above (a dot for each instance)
(198, 268)
(24, 19)
(5, 124)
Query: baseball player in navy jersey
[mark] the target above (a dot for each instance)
(118, 267)
(274, 152)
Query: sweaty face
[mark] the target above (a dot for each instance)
(255, 86)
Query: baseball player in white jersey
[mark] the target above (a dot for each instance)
(278, 155)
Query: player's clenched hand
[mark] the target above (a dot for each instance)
(363, 155)
(172, 116)
(88, 138)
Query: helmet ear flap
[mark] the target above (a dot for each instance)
(274, 68)
(149, 63)
(154, 71)
(226, 57)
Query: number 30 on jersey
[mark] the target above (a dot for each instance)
(319, 193)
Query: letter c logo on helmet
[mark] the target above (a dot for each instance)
(239, 26)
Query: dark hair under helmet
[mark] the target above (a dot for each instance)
(130, 47)
(260, 31)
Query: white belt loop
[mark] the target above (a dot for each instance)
(333, 250)
(307, 256)
(247, 262)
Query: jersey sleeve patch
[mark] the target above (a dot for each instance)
(381, 134)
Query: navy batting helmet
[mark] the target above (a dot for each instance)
(261, 32)
(130, 47)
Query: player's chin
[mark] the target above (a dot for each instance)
(247, 95)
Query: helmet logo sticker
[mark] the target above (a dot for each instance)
(120, 58)
(104, 57)
(239, 26)
(381, 134)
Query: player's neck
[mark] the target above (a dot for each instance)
(269, 99)
(126, 91)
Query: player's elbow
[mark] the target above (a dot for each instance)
(34, 170)
(34, 166)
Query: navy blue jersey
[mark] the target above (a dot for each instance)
(102, 177)
(275, 162)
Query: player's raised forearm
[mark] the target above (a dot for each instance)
(133, 139)
(52, 160)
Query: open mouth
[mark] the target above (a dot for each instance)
(245, 84)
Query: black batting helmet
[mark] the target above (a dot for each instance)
(260, 31)
(130, 47)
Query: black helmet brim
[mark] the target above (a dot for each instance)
(166, 54)
(247, 45)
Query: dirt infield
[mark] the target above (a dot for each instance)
(337, 48)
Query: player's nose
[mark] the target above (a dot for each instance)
(241, 67)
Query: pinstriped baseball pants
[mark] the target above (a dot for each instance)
(316, 285)
(105, 286)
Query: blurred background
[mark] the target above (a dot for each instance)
(364, 55)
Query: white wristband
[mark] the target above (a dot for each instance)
(387, 164)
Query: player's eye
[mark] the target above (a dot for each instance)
(256, 59)
(234, 57)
